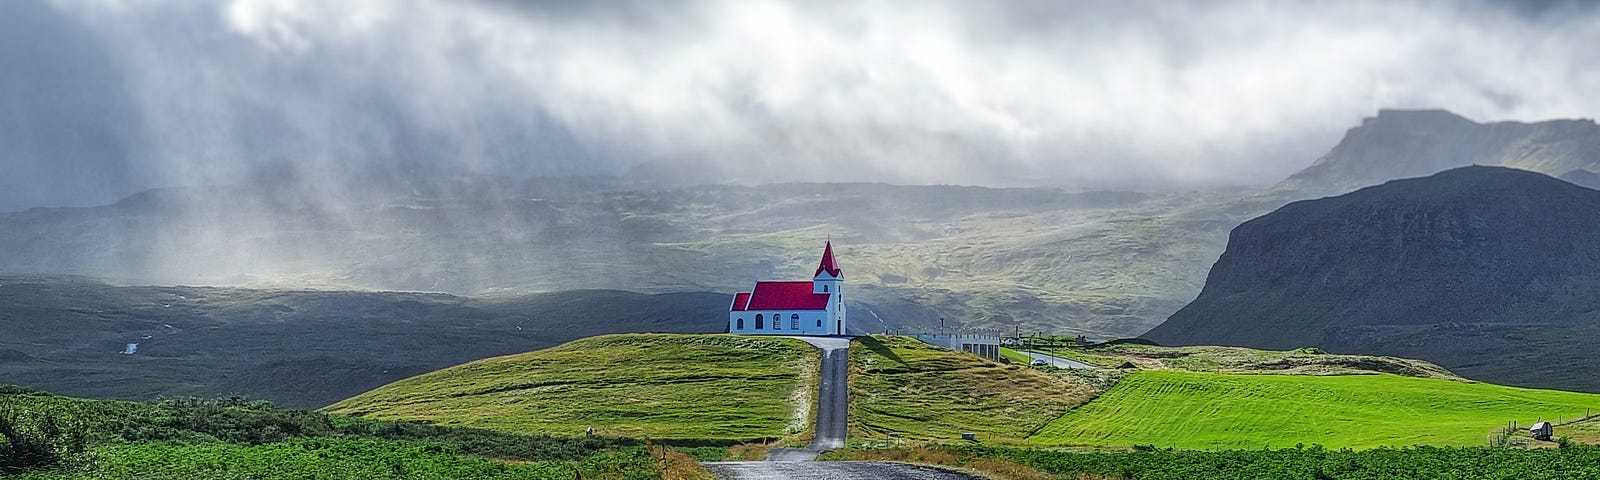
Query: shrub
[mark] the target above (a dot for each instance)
(36, 440)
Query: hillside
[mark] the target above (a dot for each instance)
(1170, 408)
(1487, 271)
(916, 391)
(698, 387)
(1413, 143)
(296, 348)
(1184, 397)
(1214, 359)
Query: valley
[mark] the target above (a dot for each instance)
(297, 348)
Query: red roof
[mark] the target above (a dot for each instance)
(782, 296)
(828, 265)
(740, 300)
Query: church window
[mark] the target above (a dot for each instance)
(761, 322)
(777, 321)
(824, 289)
(794, 321)
(819, 322)
(740, 325)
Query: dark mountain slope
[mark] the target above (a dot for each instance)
(297, 348)
(1470, 268)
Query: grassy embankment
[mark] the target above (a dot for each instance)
(901, 386)
(1015, 357)
(711, 388)
(44, 436)
(1186, 397)
(1213, 359)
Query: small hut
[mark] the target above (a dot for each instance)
(1540, 431)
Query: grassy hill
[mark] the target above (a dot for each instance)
(1220, 411)
(707, 387)
(296, 348)
(916, 391)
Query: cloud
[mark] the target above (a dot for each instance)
(1080, 93)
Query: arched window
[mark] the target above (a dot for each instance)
(794, 321)
(740, 325)
(824, 289)
(819, 322)
(777, 321)
(761, 323)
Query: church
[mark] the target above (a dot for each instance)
(805, 307)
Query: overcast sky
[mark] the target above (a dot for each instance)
(100, 98)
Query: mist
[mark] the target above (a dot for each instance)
(100, 99)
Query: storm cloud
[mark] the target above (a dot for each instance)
(100, 98)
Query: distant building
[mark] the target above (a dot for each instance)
(1541, 431)
(983, 344)
(814, 307)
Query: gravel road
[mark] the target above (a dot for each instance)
(1061, 362)
(833, 421)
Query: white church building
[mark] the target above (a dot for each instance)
(805, 307)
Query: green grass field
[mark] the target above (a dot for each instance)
(702, 387)
(1168, 408)
(920, 392)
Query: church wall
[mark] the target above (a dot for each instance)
(808, 322)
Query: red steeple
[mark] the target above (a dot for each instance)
(828, 264)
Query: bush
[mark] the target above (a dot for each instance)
(37, 440)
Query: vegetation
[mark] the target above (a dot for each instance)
(238, 438)
(900, 386)
(1302, 361)
(1442, 463)
(338, 459)
(685, 387)
(1169, 408)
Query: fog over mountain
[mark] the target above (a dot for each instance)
(100, 99)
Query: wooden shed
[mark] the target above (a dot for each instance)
(1541, 431)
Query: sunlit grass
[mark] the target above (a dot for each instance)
(1169, 408)
(659, 386)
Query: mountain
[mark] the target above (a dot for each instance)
(975, 256)
(295, 348)
(1491, 272)
(1098, 263)
(1583, 178)
(1412, 143)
